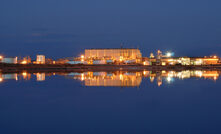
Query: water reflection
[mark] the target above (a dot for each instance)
(125, 79)
(116, 78)
(40, 76)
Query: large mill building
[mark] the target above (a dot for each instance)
(115, 54)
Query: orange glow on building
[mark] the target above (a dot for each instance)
(119, 54)
(40, 59)
(24, 62)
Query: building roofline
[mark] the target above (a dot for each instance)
(108, 48)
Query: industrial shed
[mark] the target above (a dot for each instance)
(116, 54)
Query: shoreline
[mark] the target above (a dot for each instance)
(4, 67)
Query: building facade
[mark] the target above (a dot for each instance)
(13, 60)
(40, 59)
(118, 55)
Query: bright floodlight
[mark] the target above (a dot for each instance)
(168, 54)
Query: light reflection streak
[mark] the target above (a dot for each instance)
(118, 78)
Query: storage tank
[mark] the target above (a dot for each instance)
(10, 60)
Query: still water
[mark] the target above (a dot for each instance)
(145, 102)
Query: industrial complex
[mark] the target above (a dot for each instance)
(112, 67)
(118, 56)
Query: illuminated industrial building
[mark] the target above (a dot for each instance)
(118, 54)
(40, 59)
(204, 60)
(13, 60)
(189, 61)
(1, 58)
(25, 60)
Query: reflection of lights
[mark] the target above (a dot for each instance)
(82, 77)
(171, 74)
(159, 83)
(125, 77)
(199, 73)
(112, 79)
(24, 74)
(179, 74)
(40, 76)
(169, 79)
(144, 73)
(121, 77)
(151, 79)
(215, 78)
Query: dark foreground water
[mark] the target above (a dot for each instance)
(187, 102)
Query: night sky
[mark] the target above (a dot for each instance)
(64, 28)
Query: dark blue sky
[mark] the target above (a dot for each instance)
(63, 28)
